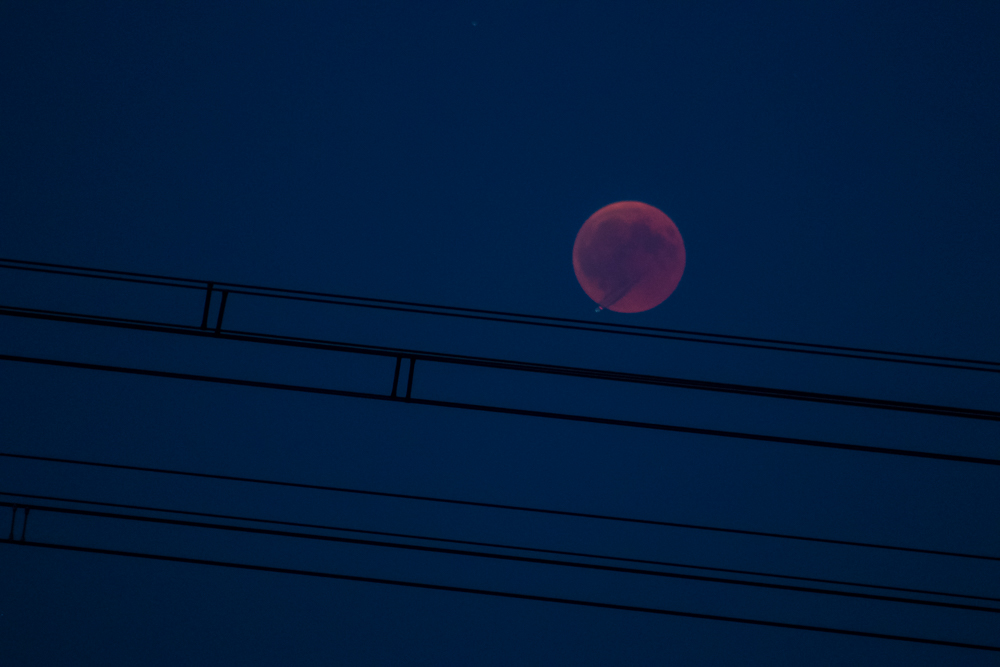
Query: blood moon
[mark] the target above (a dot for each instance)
(628, 257)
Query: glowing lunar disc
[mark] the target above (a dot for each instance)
(628, 257)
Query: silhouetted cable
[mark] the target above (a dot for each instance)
(870, 449)
(516, 318)
(496, 556)
(501, 364)
(495, 545)
(104, 274)
(507, 594)
(497, 506)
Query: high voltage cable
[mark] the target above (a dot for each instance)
(739, 435)
(496, 556)
(498, 506)
(495, 545)
(683, 336)
(513, 318)
(509, 595)
(500, 364)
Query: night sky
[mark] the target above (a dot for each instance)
(834, 169)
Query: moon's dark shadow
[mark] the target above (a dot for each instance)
(628, 257)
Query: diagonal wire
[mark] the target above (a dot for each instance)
(498, 506)
(475, 554)
(509, 595)
(516, 318)
(501, 364)
(739, 435)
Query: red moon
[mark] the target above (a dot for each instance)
(628, 257)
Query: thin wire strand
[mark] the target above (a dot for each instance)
(497, 506)
(495, 545)
(494, 556)
(523, 318)
(509, 595)
(503, 364)
(739, 435)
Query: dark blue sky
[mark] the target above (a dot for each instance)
(834, 170)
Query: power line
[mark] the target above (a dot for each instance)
(511, 318)
(498, 506)
(497, 556)
(679, 335)
(500, 364)
(493, 545)
(739, 435)
(509, 595)
(674, 382)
